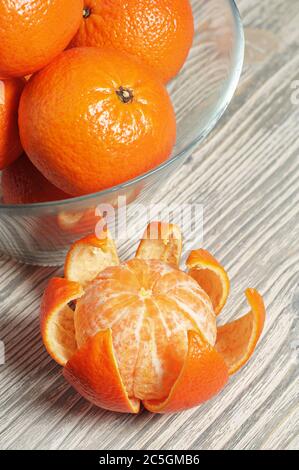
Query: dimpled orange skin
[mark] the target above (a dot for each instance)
(22, 183)
(159, 32)
(10, 145)
(95, 118)
(32, 33)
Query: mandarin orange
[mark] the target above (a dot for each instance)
(32, 33)
(159, 32)
(10, 145)
(95, 118)
(143, 330)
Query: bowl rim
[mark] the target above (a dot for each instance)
(225, 99)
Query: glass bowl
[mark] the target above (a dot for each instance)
(41, 233)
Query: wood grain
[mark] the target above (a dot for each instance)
(248, 184)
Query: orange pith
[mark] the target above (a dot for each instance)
(159, 32)
(143, 330)
(89, 256)
(10, 145)
(161, 241)
(149, 306)
(32, 33)
(113, 123)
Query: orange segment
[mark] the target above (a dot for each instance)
(161, 241)
(57, 318)
(116, 120)
(211, 276)
(94, 373)
(88, 257)
(203, 375)
(236, 341)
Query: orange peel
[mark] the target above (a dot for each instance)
(193, 386)
(211, 276)
(161, 241)
(101, 384)
(89, 256)
(57, 318)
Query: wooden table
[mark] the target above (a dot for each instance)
(248, 183)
